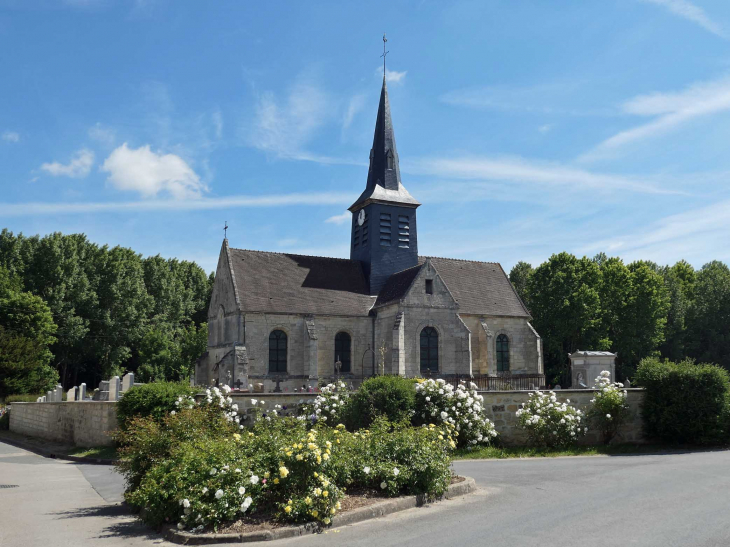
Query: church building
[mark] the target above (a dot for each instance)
(301, 320)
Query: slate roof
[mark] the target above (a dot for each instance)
(480, 288)
(289, 283)
(397, 286)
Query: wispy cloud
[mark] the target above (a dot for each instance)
(149, 173)
(693, 233)
(339, 219)
(10, 136)
(521, 170)
(670, 111)
(79, 166)
(393, 76)
(103, 134)
(356, 104)
(201, 204)
(691, 12)
(545, 128)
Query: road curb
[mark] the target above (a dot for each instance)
(380, 509)
(30, 447)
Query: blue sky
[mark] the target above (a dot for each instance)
(525, 128)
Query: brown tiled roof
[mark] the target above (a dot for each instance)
(480, 288)
(288, 283)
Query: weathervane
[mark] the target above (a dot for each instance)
(384, 53)
(225, 230)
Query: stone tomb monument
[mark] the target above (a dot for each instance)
(586, 366)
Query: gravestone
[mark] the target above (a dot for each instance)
(71, 395)
(586, 366)
(114, 388)
(49, 396)
(58, 394)
(102, 394)
(127, 381)
(81, 395)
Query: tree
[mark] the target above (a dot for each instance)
(520, 275)
(708, 318)
(170, 356)
(680, 281)
(565, 305)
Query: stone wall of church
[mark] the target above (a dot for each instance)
(524, 345)
(360, 331)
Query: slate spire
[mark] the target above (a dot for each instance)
(384, 171)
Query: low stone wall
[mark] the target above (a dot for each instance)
(500, 407)
(86, 423)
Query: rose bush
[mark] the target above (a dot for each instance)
(550, 423)
(609, 409)
(461, 407)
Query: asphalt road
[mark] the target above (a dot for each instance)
(663, 500)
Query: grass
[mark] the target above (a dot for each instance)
(500, 453)
(104, 452)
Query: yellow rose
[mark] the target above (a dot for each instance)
(308, 500)
(266, 475)
(319, 460)
(326, 520)
(326, 457)
(299, 457)
(316, 474)
(276, 481)
(288, 452)
(339, 505)
(287, 509)
(283, 472)
(332, 511)
(325, 494)
(315, 513)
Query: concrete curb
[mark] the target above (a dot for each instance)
(30, 447)
(380, 509)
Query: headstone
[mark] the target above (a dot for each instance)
(71, 395)
(127, 381)
(81, 395)
(58, 395)
(49, 396)
(627, 383)
(114, 388)
(39, 400)
(258, 388)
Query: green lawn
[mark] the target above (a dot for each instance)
(105, 452)
(594, 450)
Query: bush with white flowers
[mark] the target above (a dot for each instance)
(549, 422)
(439, 402)
(609, 409)
(329, 405)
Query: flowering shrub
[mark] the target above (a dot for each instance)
(155, 399)
(548, 422)
(438, 401)
(609, 409)
(329, 405)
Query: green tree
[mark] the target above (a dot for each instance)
(708, 318)
(679, 281)
(170, 356)
(520, 275)
(565, 305)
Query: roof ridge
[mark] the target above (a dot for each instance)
(293, 254)
(461, 260)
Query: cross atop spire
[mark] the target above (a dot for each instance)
(384, 54)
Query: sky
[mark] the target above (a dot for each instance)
(524, 127)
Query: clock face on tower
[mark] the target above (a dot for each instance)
(361, 217)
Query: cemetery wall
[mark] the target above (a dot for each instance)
(86, 423)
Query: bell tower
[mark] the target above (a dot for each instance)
(384, 236)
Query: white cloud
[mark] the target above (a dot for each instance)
(150, 173)
(102, 133)
(283, 128)
(392, 76)
(692, 234)
(10, 136)
(691, 12)
(545, 128)
(217, 118)
(356, 104)
(520, 170)
(340, 219)
(79, 166)
(670, 110)
(195, 204)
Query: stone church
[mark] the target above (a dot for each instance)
(299, 320)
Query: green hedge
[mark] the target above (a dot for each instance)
(685, 402)
(392, 397)
(21, 398)
(155, 399)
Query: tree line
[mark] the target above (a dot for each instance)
(72, 311)
(638, 310)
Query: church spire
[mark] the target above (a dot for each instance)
(384, 182)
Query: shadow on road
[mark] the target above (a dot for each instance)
(126, 525)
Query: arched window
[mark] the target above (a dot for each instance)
(277, 351)
(343, 345)
(502, 353)
(221, 326)
(429, 350)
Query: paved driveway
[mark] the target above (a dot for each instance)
(667, 500)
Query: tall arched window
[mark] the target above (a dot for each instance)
(277, 351)
(343, 345)
(429, 350)
(221, 326)
(502, 353)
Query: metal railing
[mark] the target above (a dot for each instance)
(503, 382)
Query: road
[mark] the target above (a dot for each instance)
(649, 500)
